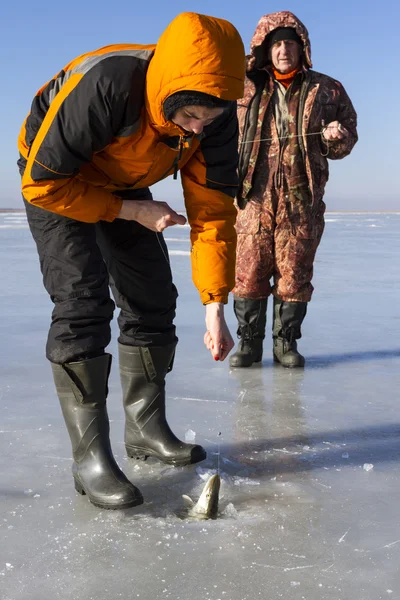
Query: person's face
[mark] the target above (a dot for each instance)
(285, 55)
(194, 118)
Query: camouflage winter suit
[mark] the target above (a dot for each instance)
(280, 208)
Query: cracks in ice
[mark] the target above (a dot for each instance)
(390, 545)
(190, 399)
(343, 536)
(285, 569)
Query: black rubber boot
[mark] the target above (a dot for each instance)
(288, 317)
(82, 391)
(251, 316)
(147, 432)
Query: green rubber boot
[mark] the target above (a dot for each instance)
(147, 432)
(82, 391)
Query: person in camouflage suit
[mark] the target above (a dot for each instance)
(291, 120)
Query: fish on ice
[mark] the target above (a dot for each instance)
(206, 506)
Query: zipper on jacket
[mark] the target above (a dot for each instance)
(184, 141)
(178, 157)
(284, 134)
(302, 99)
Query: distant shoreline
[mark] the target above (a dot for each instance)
(327, 212)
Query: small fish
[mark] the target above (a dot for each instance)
(207, 505)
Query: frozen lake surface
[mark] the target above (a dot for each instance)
(309, 459)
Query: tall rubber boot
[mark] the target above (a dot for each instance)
(82, 391)
(252, 318)
(288, 317)
(147, 432)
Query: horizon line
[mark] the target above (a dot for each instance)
(354, 211)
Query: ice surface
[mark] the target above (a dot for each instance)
(305, 522)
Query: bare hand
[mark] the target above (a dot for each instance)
(152, 214)
(217, 337)
(334, 131)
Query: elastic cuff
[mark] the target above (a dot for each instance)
(208, 298)
(113, 209)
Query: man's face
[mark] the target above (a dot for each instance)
(285, 55)
(194, 118)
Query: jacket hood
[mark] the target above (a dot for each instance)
(268, 23)
(195, 52)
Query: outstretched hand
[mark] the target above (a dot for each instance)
(152, 214)
(217, 338)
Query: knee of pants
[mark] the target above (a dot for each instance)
(80, 327)
(147, 330)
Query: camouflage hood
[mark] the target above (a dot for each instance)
(268, 23)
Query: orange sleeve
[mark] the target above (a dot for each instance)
(212, 215)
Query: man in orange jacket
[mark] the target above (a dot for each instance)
(108, 126)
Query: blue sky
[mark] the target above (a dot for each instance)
(353, 41)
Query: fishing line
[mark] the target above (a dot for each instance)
(219, 452)
(284, 137)
(291, 135)
(220, 433)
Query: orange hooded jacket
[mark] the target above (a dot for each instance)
(98, 128)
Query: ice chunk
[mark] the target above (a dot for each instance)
(345, 455)
(230, 511)
(368, 466)
(205, 474)
(190, 436)
(245, 480)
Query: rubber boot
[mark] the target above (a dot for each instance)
(82, 391)
(251, 316)
(288, 317)
(147, 432)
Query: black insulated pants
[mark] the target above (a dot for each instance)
(80, 261)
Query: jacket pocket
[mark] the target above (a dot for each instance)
(300, 215)
(308, 222)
